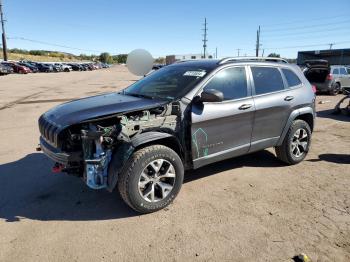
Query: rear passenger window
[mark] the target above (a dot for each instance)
(267, 80)
(336, 71)
(343, 71)
(232, 82)
(291, 77)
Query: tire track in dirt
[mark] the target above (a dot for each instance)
(17, 101)
(46, 89)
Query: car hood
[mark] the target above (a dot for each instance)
(84, 109)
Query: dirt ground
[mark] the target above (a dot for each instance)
(251, 208)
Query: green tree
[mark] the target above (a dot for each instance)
(106, 58)
(84, 57)
(274, 55)
(121, 58)
(160, 60)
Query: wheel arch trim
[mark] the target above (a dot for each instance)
(294, 115)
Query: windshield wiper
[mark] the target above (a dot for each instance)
(138, 95)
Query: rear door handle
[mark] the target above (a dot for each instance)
(288, 98)
(245, 106)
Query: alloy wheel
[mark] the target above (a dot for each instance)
(299, 142)
(157, 180)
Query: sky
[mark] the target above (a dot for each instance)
(175, 27)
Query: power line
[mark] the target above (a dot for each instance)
(301, 46)
(52, 44)
(307, 27)
(306, 33)
(306, 20)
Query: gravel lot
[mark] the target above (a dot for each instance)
(251, 208)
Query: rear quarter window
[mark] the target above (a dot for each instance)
(336, 71)
(291, 77)
(267, 80)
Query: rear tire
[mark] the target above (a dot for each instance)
(151, 178)
(335, 89)
(296, 143)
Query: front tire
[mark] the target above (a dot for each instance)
(296, 143)
(151, 178)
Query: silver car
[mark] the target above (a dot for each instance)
(341, 77)
(330, 79)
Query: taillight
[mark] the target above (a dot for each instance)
(329, 77)
(314, 88)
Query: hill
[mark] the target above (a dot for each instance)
(44, 56)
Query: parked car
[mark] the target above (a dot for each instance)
(326, 78)
(66, 68)
(33, 68)
(5, 70)
(76, 67)
(84, 67)
(183, 116)
(42, 67)
(157, 66)
(104, 65)
(341, 76)
(89, 66)
(56, 67)
(95, 66)
(17, 68)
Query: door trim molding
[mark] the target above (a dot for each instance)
(222, 155)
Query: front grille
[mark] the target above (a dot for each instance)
(49, 131)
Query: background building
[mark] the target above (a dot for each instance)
(174, 58)
(333, 56)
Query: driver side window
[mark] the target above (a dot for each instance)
(232, 82)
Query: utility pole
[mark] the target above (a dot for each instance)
(205, 38)
(257, 42)
(238, 49)
(330, 46)
(4, 46)
(216, 52)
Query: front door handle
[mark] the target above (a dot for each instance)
(245, 106)
(288, 98)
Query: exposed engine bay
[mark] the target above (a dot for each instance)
(101, 140)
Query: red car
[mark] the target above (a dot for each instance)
(18, 68)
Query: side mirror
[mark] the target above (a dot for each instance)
(212, 95)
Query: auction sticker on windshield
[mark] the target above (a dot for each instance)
(195, 73)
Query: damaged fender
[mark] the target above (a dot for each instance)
(125, 150)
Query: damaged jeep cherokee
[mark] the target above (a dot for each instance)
(181, 117)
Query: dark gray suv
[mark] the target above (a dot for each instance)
(180, 117)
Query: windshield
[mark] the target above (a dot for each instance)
(170, 82)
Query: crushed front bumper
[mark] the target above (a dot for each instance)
(58, 156)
